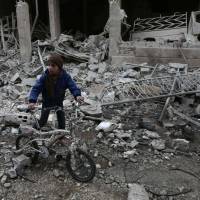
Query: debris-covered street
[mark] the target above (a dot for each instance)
(140, 117)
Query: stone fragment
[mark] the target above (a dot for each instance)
(7, 185)
(129, 153)
(12, 173)
(151, 134)
(106, 126)
(28, 81)
(15, 78)
(158, 144)
(4, 179)
(93, 67)
(180, 144)
(14, 131)
(102, 68)
(91, 76)
(91, 110)
(20, 162)
(1, 173)
(74, 72)
(197, 110)
(137, 192)
(56, 173)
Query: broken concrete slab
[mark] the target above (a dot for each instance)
(93, 67)
(129, 153)
(106, 126)
(4, 179)
(158, 144)
(29, 81)
(20, 162)
(12, 173)
(15, 78)
(92, 110)
(91, 76)
(137, 192)
(151, 134)
(180, 144)
(102, 68)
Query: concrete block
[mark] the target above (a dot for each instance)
(158, 144)
(91, 110)
(137, 192)
(20, 162)
(12, 173)
(180, 144)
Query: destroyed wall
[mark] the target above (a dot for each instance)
(158, 35)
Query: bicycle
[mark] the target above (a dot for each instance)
(78, 163)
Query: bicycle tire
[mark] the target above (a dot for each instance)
(72, 171)
(35, 155)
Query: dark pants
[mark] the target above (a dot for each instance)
(60, 116)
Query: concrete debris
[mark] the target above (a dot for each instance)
(106, 126)
(57, 173)
(20, 162)
(92, 110)
(130, 153)
(158, 144)
(4, 179)
(151, 134)
(124, 133)
(12, 173)
(7, 185)
(137, 192)
(180, 144)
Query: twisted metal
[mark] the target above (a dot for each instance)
(144, 89)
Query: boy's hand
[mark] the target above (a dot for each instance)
(31, 106)
(79, 99)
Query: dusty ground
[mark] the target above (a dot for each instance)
(165, 175)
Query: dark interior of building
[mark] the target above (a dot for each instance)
(156, 8)
(90, 16)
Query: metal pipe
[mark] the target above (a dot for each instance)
(36, 16)
(149, 98)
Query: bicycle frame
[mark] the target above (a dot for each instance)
(57, 133)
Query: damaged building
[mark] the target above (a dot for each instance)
(140, 31)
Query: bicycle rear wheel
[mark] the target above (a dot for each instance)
(29, 151)
(81, 166)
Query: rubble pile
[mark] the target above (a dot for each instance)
(126, 130)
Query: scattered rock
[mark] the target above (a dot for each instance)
(12, 173)
(4, 179)
(137, 192)
(106, 126)
(151, 134)
(158, 144)
(20, 162)
(180, 144)
(7, 185)
(92, 110)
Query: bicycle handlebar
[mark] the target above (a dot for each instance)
(25, 108)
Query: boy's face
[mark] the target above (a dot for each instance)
(53, 69)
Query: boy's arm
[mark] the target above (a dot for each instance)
(36, 89)
(71, 85)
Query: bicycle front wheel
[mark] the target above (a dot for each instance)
(81, 166)
(30, 148)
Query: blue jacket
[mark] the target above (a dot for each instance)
(63, 82)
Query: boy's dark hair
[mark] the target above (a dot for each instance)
(56, 60)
